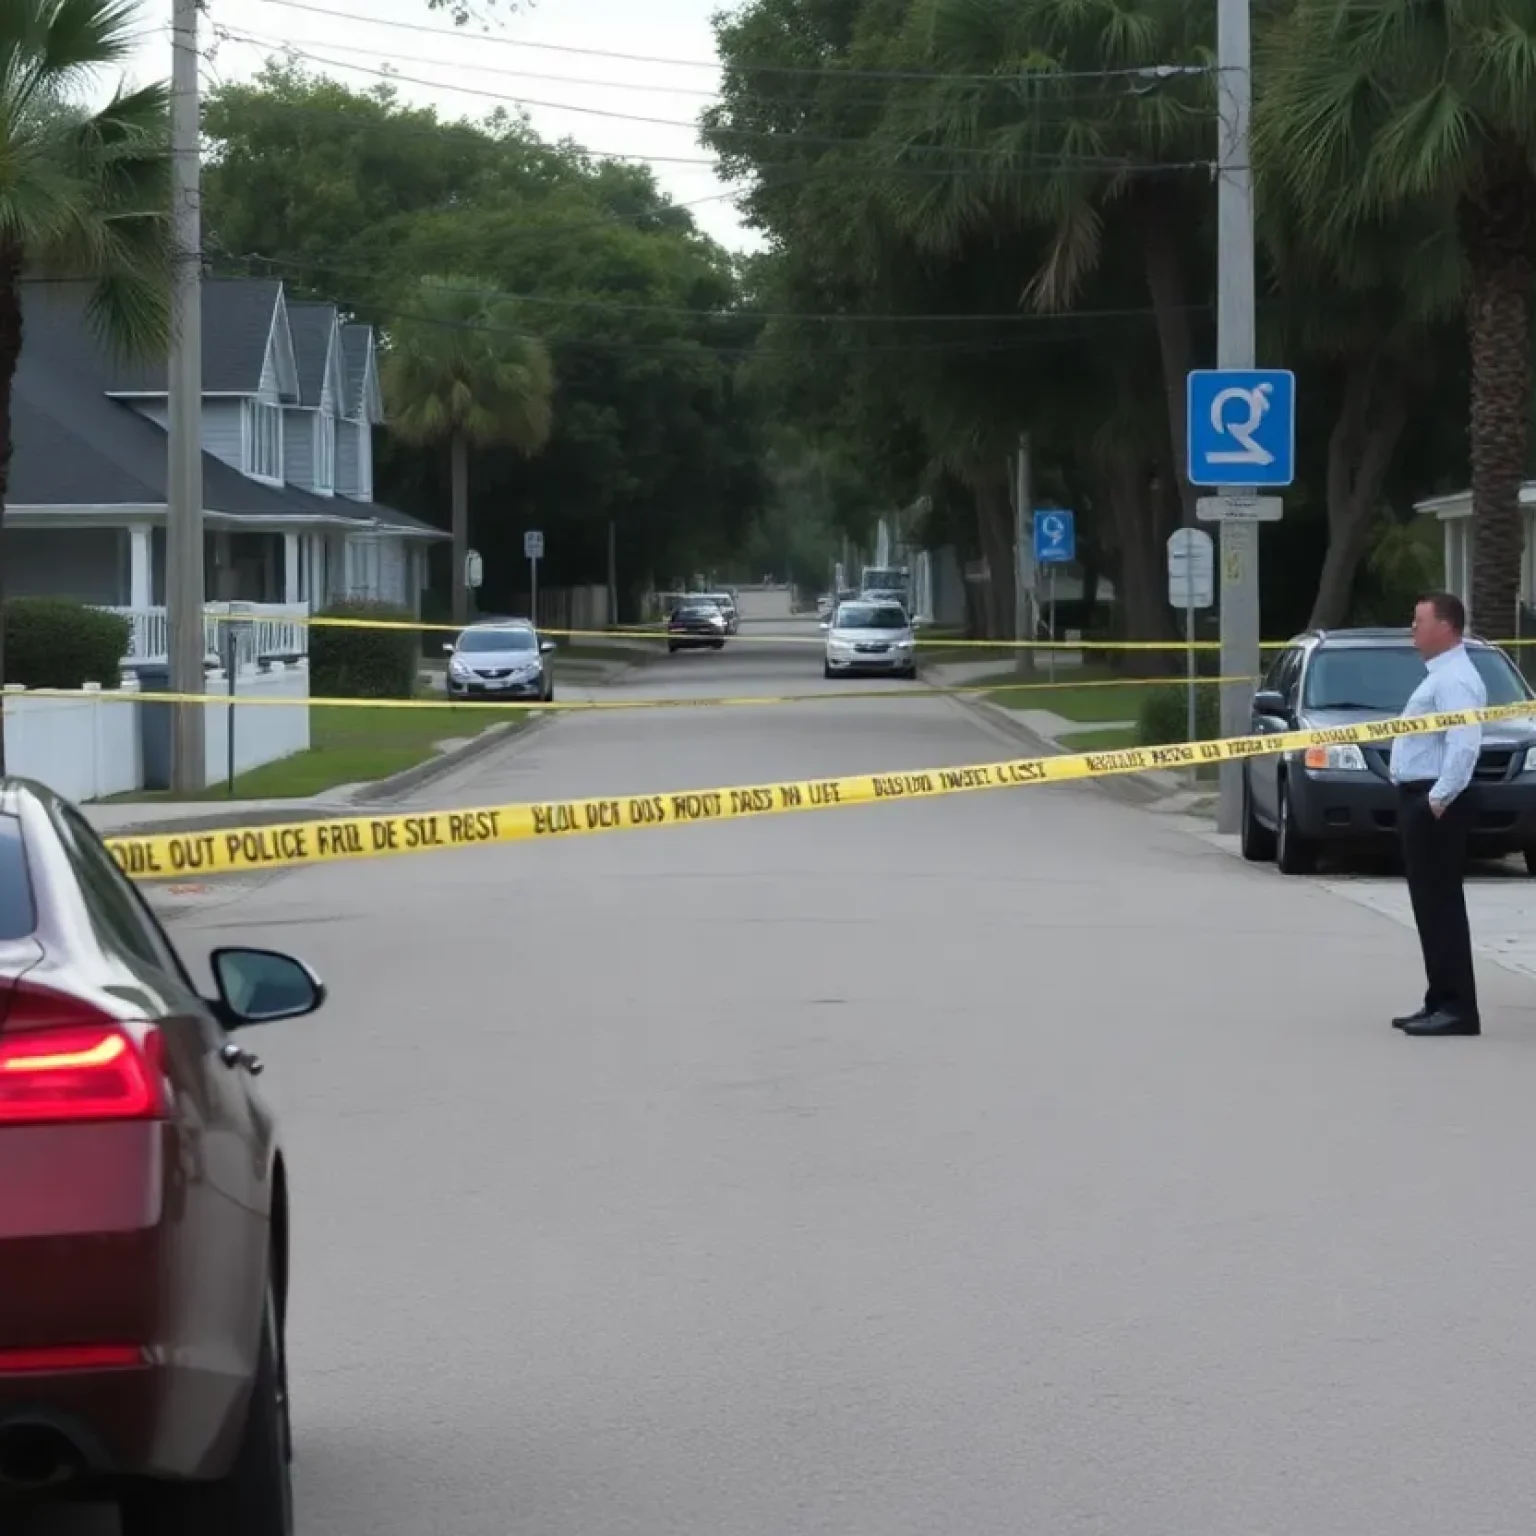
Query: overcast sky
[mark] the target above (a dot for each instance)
(530, 59)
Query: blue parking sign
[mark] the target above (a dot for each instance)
(1242, 426)
(1055, 536)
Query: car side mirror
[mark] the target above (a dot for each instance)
(826, 624)
(545, 647)
(447, 648)
(1271, 704)
(260, 986)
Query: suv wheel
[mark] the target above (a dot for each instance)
(1293, 854)
(1257, 840)
(255, 1497)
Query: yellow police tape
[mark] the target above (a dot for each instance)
(467, 708)
(239, 850)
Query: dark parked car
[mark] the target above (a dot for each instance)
(500, 660)
(695, 625)
(144, 1237)
(1296, 803)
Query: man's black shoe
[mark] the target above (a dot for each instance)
(1438, 1024)
(1417, 1017)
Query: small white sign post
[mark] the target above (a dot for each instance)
(1191, 585)
(533, 548)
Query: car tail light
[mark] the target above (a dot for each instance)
(61, 1060)
(70, 1357)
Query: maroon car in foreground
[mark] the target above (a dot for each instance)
(143, 1200)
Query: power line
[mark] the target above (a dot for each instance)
(1049, 165)
(809, 317)
(256, 39)
(794, 136)
(692, 346)
(1153, 72)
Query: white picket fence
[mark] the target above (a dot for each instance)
(268, 629)
(89, 744)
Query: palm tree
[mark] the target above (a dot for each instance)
(461, 370)
(1090, 120)
(83, 195)
(1387, 108)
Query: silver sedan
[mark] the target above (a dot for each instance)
(873, 637)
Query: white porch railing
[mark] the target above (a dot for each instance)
(274, 629)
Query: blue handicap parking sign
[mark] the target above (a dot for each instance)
(1242, 426)
(1055, 536)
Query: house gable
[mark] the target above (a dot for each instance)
(279, 382)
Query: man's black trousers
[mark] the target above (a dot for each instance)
(1434, 857)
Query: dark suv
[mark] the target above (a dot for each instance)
(1296, 802)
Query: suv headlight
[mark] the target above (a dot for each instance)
(1346, 756)
(459, 667)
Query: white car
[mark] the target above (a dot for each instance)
(870, 637)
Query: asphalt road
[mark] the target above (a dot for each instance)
(1006, 1163)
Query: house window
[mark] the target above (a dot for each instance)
(325, 451)
(263, 440)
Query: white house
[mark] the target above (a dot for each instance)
(1454, 513)
(290, 400)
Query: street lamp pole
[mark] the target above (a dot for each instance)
(1235, 348)
(186, 644)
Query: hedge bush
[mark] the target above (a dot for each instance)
(348, 663)
(1164, 715)
(54, 642)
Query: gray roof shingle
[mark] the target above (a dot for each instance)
(237, 325)
(310, 324)
(74, 445)
(355, 341)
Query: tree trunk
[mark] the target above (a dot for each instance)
(459, 457)
(1165, 284)
(1496, 231)
(1364, 438)
(1141, 593)
(10, 353)
(994, 526)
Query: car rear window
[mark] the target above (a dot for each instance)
(18, 910)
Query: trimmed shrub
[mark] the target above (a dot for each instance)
(1164, 715)
(347, 663)
(54, 642)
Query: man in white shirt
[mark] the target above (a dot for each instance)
(1436, 806)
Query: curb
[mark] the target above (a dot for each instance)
(379, 791)
(382, 791)
(1139, 789)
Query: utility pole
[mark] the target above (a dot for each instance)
(184, 502)
(1023, 556)
(1235, 347)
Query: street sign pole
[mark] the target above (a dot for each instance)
(1235, 347)
(1191, 585)
(1055, 543)
(1052, 652)
(533, 548)
(1192, 718)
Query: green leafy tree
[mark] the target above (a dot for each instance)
(1431, 110)
(83, 194)
(352, 197)
(462, 372)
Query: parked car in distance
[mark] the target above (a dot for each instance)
(502, 660)
(696, 624)
(869, 637)
(144, 1225)
(728, 611)
(1297, 803)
